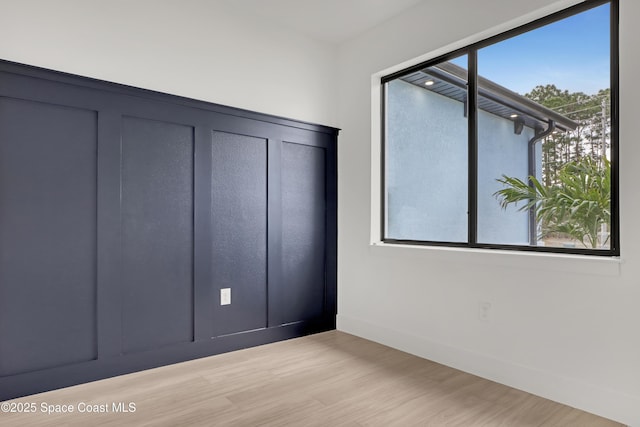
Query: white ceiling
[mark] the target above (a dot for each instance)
(333, 21)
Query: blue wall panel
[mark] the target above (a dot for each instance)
(123, 212)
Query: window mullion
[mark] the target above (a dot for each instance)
(472, 122)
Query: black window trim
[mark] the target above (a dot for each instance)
(471, 52)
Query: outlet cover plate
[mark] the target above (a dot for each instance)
(225, 296)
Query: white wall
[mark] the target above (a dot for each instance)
(563, 327)
(201, 49)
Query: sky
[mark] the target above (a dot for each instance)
(572, 53)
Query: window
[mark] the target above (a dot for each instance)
(510, 143)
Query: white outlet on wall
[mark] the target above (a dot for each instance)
(484, 308)
(225, 296)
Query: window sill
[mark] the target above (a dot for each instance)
(538, 261)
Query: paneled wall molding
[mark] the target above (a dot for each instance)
(124, 213)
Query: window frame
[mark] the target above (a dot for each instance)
(472, 122)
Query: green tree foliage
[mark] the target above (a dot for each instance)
(591, 112)
(573, 196)
(577, 204)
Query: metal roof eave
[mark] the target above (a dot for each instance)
(457, 76)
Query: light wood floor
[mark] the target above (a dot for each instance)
(329, 379)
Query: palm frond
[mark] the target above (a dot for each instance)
(577, 205)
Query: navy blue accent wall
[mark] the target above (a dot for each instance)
(124, 212)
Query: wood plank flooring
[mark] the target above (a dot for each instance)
(329, 379)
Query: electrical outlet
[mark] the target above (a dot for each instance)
(225, 296)
(484, 308)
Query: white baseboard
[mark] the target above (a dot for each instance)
(607, 403)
